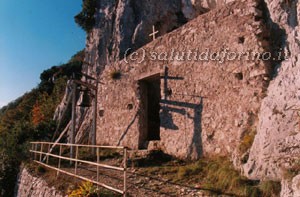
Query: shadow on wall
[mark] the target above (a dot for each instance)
(167, 118)
(195, 148)
(165, 115)
(196, 144)
(127, 129)
(168, 107)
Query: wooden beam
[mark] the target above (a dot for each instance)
(90, 86)
(80, 145)
(81, 161)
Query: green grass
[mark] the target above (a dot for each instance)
(216, 175)
(270, 188)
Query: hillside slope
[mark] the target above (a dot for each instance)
(30, 118)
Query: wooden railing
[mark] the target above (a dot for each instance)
(41, 152)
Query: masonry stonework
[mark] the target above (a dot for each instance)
(205, 106)
(29, 185)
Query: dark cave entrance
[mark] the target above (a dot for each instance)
(150, 93)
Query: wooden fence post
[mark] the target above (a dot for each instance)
(35, 149)
(32, 148)
(43, 159)
(47, 161)
(125, 172)
(98, 160)
(41, 154)
(59, 159)
(76, 162)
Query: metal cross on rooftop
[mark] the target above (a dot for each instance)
(153, 33)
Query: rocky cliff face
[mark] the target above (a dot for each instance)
(28, 185)
(277, 143)
(125, 24)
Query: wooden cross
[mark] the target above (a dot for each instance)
(153, 33)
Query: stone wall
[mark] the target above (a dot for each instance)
(209, 105)
(126, 24)
(29, 185)
(121, 25)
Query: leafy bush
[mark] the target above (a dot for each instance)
(247, 141)
(248, 137)
(87, 189)
(49, 76)
(116, 74)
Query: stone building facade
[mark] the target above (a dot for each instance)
(178, 95)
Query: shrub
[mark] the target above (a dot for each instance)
(293, 171)
(248, 135)
(247, 141)
(40, 170)
(116, 74)
(86, 19)
(87, 189)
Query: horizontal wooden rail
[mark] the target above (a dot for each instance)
(37, 150)
(81, 177)
(78, 160)
(80, 145)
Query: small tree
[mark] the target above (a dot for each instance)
(86, 19)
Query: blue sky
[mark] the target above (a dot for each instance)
(35, 35)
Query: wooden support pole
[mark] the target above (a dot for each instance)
(41, 152)
(32, 148)
(76, 162)
(35, 148)
(59, 159)
(94, 130)
(72, 136)
(125, 172)
(47, 156)
(98, 160)
(58, 139)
